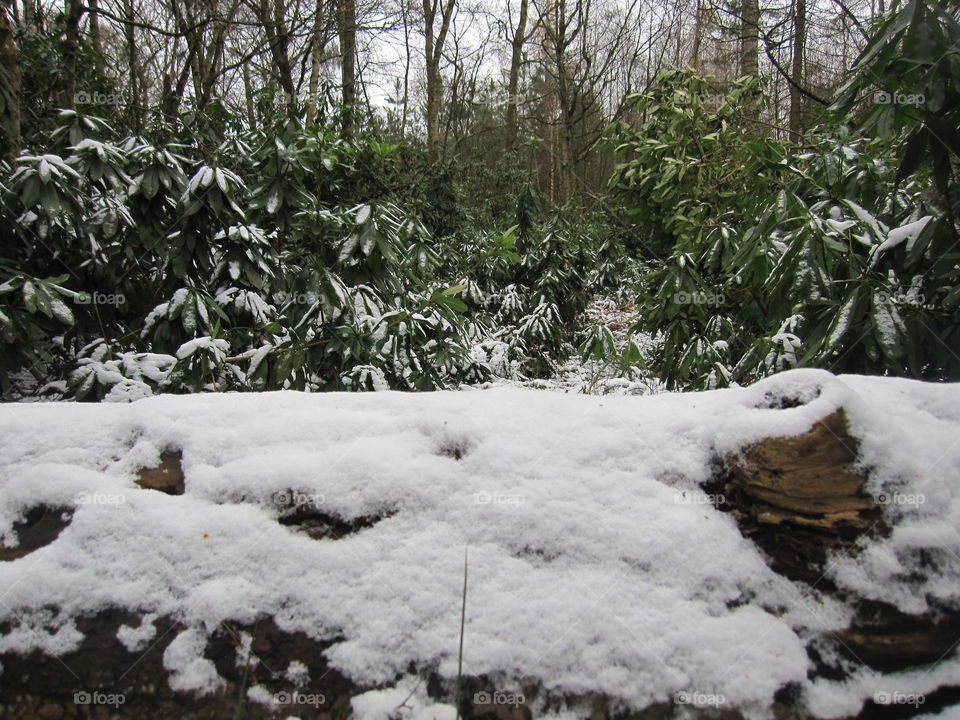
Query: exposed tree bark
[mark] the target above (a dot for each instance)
(9, 89)
(175, 80)
(434, 41)
(71, 51)
(802, 499)
(749, 38)
(29, 13)
(317, 43)
(347, 29)
(796, 71)
(93, 18)
(561, 32)
(697, 41)
(281, 50)
(217, 46)
(271, 18)
(133, 62)
(516, 60)
(248, 96)
(407, 61)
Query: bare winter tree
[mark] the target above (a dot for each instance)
(517, 41)
(347, 30)
(9, 87)
(797, 65)
(437, 15)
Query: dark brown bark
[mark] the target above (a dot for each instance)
(71, 51)
(749, 38)
(9, 89)
(802, 500)
(796, 70)
(434, 41)
(695, 61)
(94, 27)
(347, 29)
(280, 49)
(317, 44)
(516, 60)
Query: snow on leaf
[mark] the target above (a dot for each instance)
(348, 247)
(363, 214)
(189, 315)
(258, 357)
(905, 233)
(30, 296)
(61, 312)
(842, 322)
(217, 348)
(202, 311)
(273, 201)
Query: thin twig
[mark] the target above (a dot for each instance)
(463, 620)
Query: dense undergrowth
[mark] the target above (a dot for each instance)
(282, 259)
(201, 254)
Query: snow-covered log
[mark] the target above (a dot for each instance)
(784, 550)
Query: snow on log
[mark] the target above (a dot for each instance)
(787, 550)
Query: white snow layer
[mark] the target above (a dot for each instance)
(596, 563)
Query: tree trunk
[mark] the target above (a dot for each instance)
(135, 99)
(347, 29)
(248, 96)
(516, 60)
(796, 71)
(71, 51)
(749, 39)
(407, 60)
(29, 13)
(94, 20)
(278, 39)
(695, 61)
(318, 42)
(434, 40)
(9, 90)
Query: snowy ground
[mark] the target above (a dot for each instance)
(574, 375)
(596, 562)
